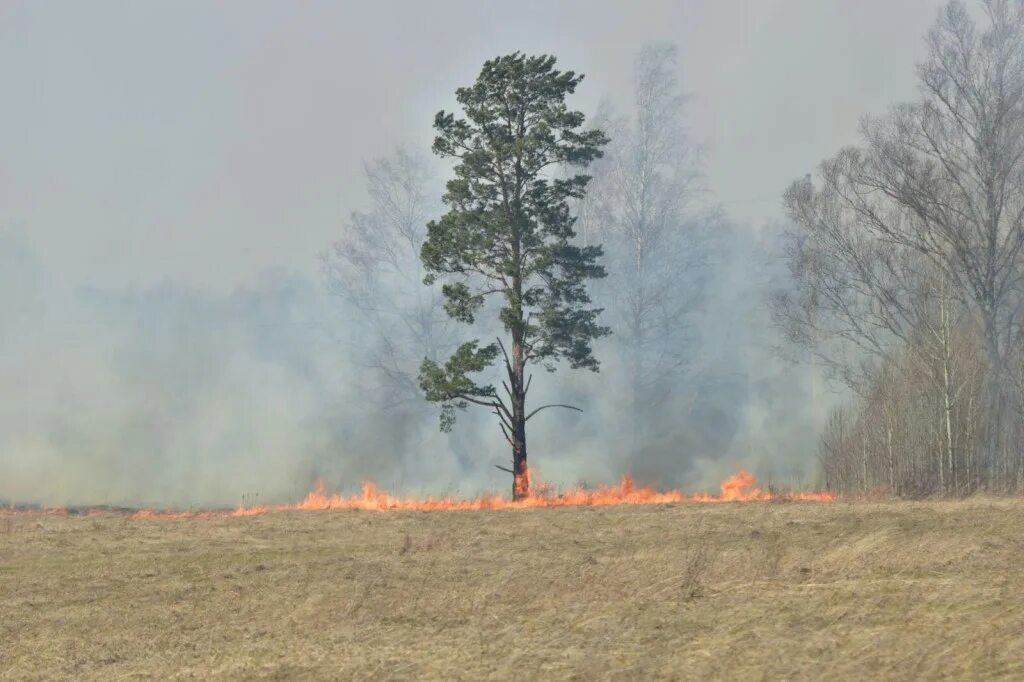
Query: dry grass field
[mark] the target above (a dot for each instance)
(735, 590)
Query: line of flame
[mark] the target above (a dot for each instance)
(741, 487)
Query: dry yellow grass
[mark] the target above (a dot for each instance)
(743, 590)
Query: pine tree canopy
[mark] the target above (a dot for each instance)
(508, 231)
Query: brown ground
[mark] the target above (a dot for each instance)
(740, 590)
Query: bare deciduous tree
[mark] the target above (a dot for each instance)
(916, 235)
(375, 267)
(641, 207)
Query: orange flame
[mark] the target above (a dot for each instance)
(741, 487)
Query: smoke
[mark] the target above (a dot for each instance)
(168, 395)
(158, 395)
(171, 396)
(738, 404)
(206, 167)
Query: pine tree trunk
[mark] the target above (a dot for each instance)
(517, 372)
(521, 472)
(520, 468)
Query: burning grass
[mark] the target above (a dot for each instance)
(900, 590)
(741, 487)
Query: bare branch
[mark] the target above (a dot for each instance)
(544, 407)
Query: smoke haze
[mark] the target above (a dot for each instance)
(169, 177)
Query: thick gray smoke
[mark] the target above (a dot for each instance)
(172, 396)
(167, 395)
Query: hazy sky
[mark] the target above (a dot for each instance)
(207, 141)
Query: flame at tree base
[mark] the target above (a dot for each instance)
(741, 487)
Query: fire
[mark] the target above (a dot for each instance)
(741, 487)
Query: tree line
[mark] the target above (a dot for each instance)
(905, 254)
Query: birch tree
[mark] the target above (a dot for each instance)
(939, 180)
(375, 268)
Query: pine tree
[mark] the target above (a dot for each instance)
(508, 232)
